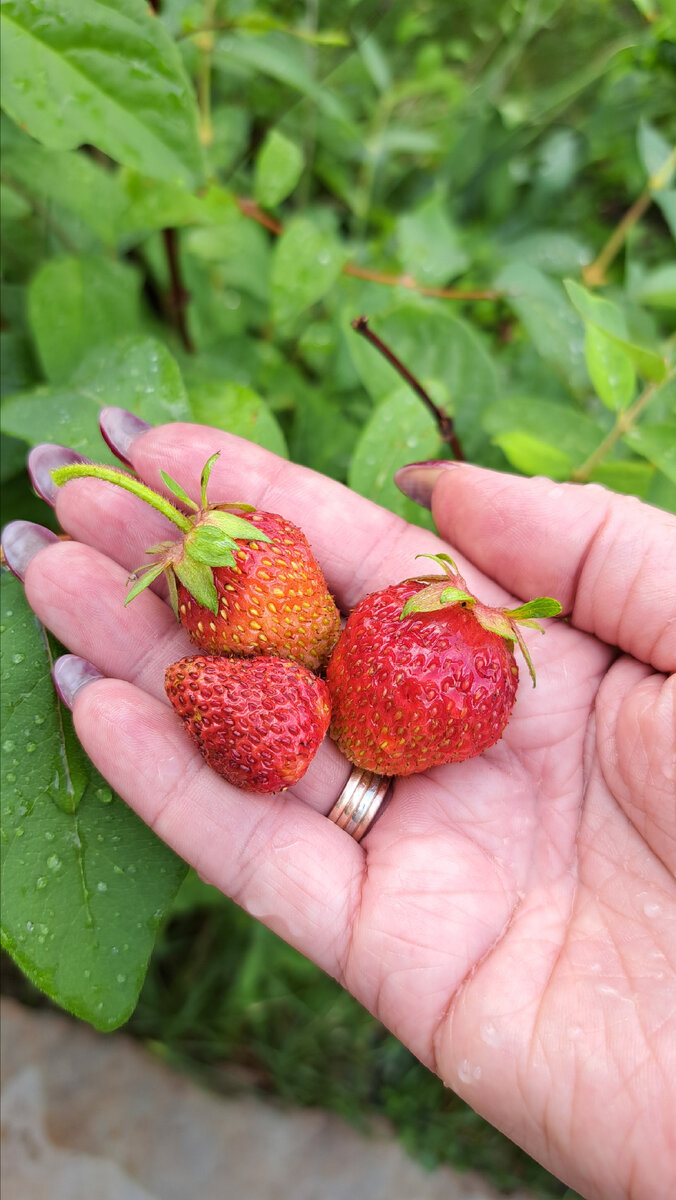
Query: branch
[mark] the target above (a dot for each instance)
(249, 208)
(178, 296)
(595, 273)
(624, 422)
(443, 420)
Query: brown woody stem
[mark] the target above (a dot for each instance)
(178, 296)
(443, 420)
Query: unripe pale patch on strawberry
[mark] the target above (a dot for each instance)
(258, 722)
(424, 674)
(239, 584)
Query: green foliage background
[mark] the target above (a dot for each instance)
(196, 203)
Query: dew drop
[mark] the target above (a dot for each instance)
(41, 882)
(18, 658)
(30, 748)
(8, 745)
(30, 926)
(53, 862)
(652, 910)
(489, 1033)
(101, 886)
(121, 978)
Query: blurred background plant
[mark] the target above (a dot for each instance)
(198, 198)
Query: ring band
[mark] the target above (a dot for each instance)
(360, 802)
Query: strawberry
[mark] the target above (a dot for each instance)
(239, 584)
(423, 674)
(258, 722)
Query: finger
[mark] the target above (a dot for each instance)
(609, 559)
(281, 861)
(359, 545)
(78, 593)
(636, 716)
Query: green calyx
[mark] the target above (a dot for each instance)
(450, 589)
(211, 534)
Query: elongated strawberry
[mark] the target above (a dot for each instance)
(258, 722)
(241, 581)
(424, 674)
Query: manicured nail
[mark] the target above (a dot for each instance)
(71, 674)
(120, 429)
(42, 461)
(21, 541)
(417, 480)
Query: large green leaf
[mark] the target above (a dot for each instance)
(400, 431)
(534, 457)
(611, 369)
(136, 373)
(610, 319)
(556, 332)
(657, 443)
(433, 345)
(84, 883)
(68, 178)
(88, 71)
(658, 287)
(572, 433)
(430, 245)
(237, 409)
(279, 166)
(306, 262)
(75, 303)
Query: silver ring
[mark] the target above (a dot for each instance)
(360, 802)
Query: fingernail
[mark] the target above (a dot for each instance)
(417, 480)
(71, 674)
(120, 429)
(21, 541)
(42, 461)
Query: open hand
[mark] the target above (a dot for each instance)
(512, 919)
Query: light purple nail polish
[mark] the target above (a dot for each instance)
(21, 541)
(417, 480)
(43, 460)
(120, 429)
(71, 674)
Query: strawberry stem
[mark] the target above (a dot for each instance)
(87, 471)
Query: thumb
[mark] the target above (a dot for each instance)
(609, 559)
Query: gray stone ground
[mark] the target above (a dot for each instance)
(87, 1116)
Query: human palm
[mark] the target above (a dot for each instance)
(512, 918)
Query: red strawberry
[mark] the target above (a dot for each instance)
(240, 585)
(258, 722)
(423, 674)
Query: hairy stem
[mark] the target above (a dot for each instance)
(444, 422)
(111, 475)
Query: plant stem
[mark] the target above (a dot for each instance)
(178, 296)
(444, 422)
(249, 208)
(205, 44)
(111, 475)
(595, 273)
(624, 422)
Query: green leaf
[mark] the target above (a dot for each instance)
(549, 250)
(70, 179)
(607, 317)
(239, 410)
(574, 433)
(434, 345)
(136, 373)
(306, 262)
(611, 369)
(177, 490)
(234, 526)
(555, 331)
(542, 606)
(657, 443)
(211, 546)
(400, 431)
(85, 884)
(655, 151)
(430, 246)
(658, 287)
(534, 457)
(87, 71)
(279, 166)
(198, 579)
(454, 595)
(667, 202)
(629, 476)
(206, 476)
(144, 580)
(76, 303)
